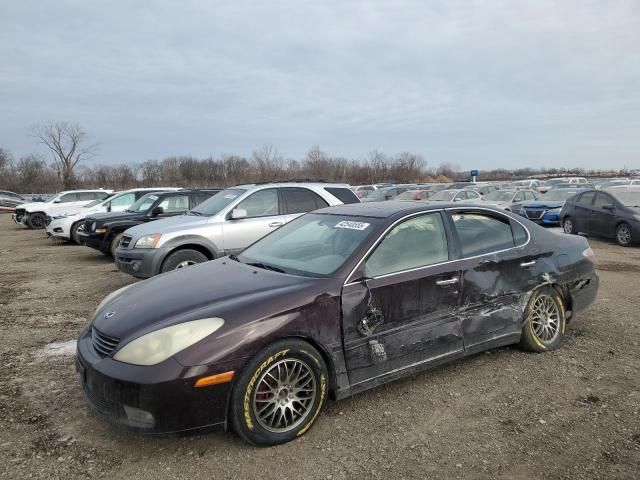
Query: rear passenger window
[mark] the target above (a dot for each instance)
(301, 200)
(479, 234)
(417, 242)
(520, 235)
(586, 198)
(345, 195)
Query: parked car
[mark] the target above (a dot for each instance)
(362, 190)
(67, 224)
(103, 231)
(612, 213)
(483, 189)
(417, 194)
(227, 223)
(9, 201)
(33, 215)
(549, 184)
(634, 182)
(546, 209)
(383, 194)
(334, 303)
(455, 196)
(509, 199)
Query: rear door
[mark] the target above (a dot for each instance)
(264, 215)
(297, 201)
(496, 273)
(404, 313)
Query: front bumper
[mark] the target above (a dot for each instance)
(60, 228)
(140, 262)
(548, 218)
(93, 240)
(164, 392)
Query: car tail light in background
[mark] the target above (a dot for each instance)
(589, 255)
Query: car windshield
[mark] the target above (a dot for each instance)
(499, 196)
(558, 195)
(215, 204)
(95, 202)
(143, 203)
(376, 193)
(444, 195)
(408, 195)
(627, 198)
(311, 245)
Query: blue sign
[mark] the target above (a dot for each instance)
(474, 173)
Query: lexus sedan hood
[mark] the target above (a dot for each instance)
(220, 288)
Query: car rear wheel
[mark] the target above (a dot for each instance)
(567, 226)
(182, 259)
(279, 394)
(545, 321)
(36, 220)
(623, 235)
(115, 241)
(74, 231)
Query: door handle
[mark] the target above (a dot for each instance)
(444, 283)
(276, 224)
(528, 264)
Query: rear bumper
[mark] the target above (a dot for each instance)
(155, 399)
(584, 293)
(140, 262)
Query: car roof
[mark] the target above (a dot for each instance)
(291, 184)
(393, 207)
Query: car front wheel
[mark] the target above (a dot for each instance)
(182, 258)
(74, 231)
(567, 226)
(36, 220)
(279, 394)
(623, 235)
(113, 246)
(545, 321)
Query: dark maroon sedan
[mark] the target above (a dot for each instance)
(331, 304)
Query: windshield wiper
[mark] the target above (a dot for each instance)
(264, 266)
(234, 258)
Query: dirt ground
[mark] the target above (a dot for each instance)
(573, 413)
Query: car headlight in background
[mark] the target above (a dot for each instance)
(155, 347)
(110, 297)
(148, 241)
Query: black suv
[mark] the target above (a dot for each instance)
(103, 231)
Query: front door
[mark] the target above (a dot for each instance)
(603, 219)
(399, 312)
(263, 217)
(495, 276)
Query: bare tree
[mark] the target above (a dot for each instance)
(67, 144)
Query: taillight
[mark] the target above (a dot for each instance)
(589, 255)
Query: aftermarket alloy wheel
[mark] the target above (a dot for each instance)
(36, 220)
(545, 321)
(623, 235)
(182, 259)
(279, 394)
(567, 225)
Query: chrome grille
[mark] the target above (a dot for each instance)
(103, 344)
(534, 214)
(125, 241)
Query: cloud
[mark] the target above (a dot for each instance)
(484, 84)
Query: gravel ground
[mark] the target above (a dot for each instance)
(573, 413)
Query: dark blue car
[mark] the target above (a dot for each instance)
(546, 209)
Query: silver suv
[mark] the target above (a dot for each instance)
(225, 224)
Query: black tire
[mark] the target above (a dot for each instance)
(254, 377)
(535, 330)
(73, 234)
(568, 226)
(36, 220)
(624, 235)
(113, 245)
(182, 258)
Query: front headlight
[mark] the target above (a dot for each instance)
(148, 241)
(93, 226)
(156, 347)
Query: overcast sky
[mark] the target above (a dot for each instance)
(482, 84)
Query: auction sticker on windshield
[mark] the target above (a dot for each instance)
(352, 225)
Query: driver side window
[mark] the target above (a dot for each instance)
(417, 242)
(261, 204)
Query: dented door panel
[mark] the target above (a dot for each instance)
(395, 322)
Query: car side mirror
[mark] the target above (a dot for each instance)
(608, 206)
(57, 201)
(157, 211)
(238, 213)
(109, 207)
(387, 197)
